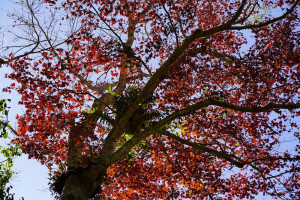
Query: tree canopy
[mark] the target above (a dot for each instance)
(160, 99)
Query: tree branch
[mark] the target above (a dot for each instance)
(212, 102)
(170, 20)
(237, 14)
(188, 110)
(265, 108)
(245, 14)
(101, 18)
(203, 148)
(262, 24)
(179, 20)
(13, 130)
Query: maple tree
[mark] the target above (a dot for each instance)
(160, 99)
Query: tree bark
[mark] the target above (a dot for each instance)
(74, 189)
(83, 184)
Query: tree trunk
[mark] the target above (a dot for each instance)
(74, 189)
(81, 185)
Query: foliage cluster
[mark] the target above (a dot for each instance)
(9, 152)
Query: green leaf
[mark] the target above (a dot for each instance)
(112, 93)
(5, 135)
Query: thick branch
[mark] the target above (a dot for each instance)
(126, 148)
(189, 110)
(265, 108)
(111, 142)
(212, 102)
(186, 111)
(203, 148)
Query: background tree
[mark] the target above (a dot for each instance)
(159, 99)
(8, 152)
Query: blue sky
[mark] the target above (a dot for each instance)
(31, 179)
